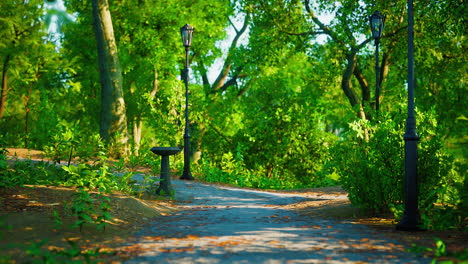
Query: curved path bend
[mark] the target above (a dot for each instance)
(218, 224)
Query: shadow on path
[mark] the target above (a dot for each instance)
(229, 225)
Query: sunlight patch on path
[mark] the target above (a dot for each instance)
(230, 225)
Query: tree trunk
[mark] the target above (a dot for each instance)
(113, 124)
(27, 110)
(4, 92)
(346, 84)
(137, 127)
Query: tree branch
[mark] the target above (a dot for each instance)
(394, 33)
(233, 26)
(319, 23)
(244, 89)
(215, 129)
(221, 79)
(303, 33)
(233, 80)
(204, 74)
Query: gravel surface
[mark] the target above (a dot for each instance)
(217, 224)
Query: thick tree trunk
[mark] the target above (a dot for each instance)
(4, 92)
(113, 124)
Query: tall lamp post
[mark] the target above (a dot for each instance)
(411, 218)
(186, 32)
(377, 24)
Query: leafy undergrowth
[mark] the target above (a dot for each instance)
(37, 219)
(54, 223)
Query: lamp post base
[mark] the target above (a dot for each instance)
(187, 175)
(409, 223)
(411, 219)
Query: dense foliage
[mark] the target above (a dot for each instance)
(380, 161)
(281, 92)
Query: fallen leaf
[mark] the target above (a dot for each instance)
(154, 238)
(369, 246)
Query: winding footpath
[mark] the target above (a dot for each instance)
(217, 224)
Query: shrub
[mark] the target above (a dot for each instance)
(372, 170)
(233, 171)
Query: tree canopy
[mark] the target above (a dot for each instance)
(274, 84)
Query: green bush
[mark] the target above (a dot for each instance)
(99, 175)
(232, 170)
(68, 143)
(370, 161)
(371, 171)
(29, 172)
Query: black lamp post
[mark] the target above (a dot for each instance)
(377, 24)
(186, 32)
(411, 218)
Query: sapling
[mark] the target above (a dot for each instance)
(82, 208)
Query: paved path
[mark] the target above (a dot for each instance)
(227, 225)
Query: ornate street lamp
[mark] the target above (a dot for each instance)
(377, 21)
(411, 218)
(186, 32)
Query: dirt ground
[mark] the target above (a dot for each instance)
(28, 212)
(27, 217)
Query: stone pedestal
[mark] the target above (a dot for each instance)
(165, 186)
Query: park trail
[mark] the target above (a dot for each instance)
(217, 224)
